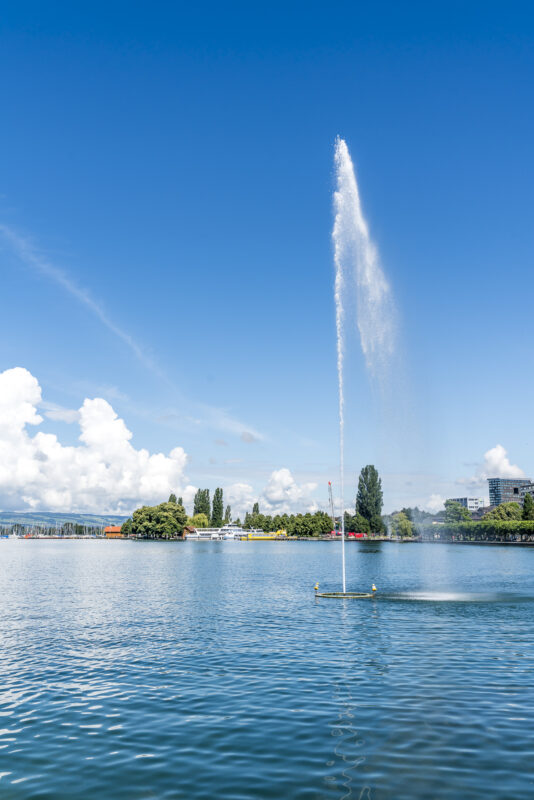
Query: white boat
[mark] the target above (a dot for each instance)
(228, 532)
(204, 534)
(232, 531)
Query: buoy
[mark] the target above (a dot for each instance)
(316, 587)
(374, 588)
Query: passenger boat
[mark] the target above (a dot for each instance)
(204, 535)
(228, 532)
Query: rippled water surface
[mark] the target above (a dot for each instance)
(208, 670)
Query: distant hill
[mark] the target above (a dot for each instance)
(50, 518)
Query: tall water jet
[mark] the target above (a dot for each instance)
(356, 263)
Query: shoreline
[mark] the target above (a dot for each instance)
(407, 540)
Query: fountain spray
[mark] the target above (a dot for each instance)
(356, 259)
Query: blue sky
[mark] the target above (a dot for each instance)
(166, 206)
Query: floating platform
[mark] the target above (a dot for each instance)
(345, 595)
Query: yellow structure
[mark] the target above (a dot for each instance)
(266, 537)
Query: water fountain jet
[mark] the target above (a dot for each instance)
(356, 261)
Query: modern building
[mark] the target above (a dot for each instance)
(527, 488)
(506, 490)
(471, 503)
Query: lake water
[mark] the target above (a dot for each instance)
(208, 670)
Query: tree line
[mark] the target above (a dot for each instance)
(168, 520)
(412, 521)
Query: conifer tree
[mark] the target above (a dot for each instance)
(172, 498)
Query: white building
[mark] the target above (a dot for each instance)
(471, 503)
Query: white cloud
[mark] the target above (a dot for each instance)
(59, 413)
(497, 465)
(435, 503)
(241, 497)
(103, 474)
(284, 494)
(215, 418)
(281, 495)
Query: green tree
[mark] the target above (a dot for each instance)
(456, 512)
(360, 524)
(401, 525)
(172, 498)
(159, 522)
(323, 523)
(528, 507)
(370, 498)
(202, 503)
(256, 508)
(126, 528)
(217, 509)
(199, 521)
(506, 511)
(227, 515)
(180, 502)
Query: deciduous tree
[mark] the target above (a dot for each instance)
(218, 509)
(159, 522)
(505, 511)
(401, 525)
(202, 503)
(199, 521)
(528, 507)
(456, 512)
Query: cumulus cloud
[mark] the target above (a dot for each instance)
(435, 503)
(104, 474)
(284, 494)
(281, 495)
(497, 465)
(241, 498)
